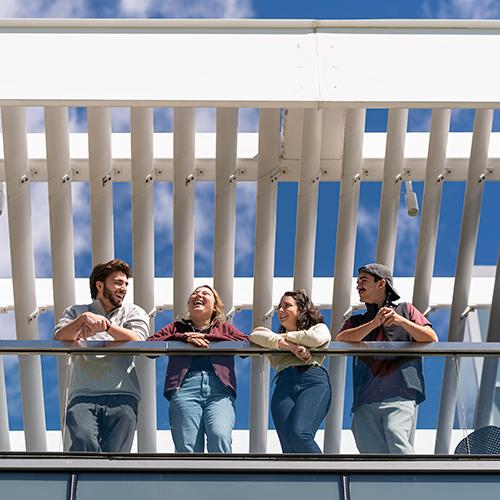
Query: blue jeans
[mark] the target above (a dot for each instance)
(299, 404)
(202, 405)
(102, 423)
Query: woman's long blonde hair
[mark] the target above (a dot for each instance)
(218, 312)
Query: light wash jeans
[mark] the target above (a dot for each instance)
(384, 427)
(202, 405)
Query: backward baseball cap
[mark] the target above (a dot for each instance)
(381, 271)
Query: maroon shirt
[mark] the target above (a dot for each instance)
(178, 366)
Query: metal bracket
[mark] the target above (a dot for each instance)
(277, 173)
(269, 314)
(467, 311)
(484, 176)
(107, 178)
(4, 310)
(152, 313)
(25, 178)
(150, 177)
(430, 309)
(322, 171)
(197, 172)
(348, 313)
(233, 311)
(66, 178)
(398, 178)
(356, 178)
(238, 172)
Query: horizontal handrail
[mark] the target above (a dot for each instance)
(236, 348)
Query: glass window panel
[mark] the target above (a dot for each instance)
(29, 485)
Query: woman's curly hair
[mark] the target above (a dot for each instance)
(309, 315)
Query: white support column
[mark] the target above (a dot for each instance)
(490, 365)
(141, 121)
(307, 206)
(391, 186)
(431, 205)
(4, 414)
(225, 203)
(61, 225)
(344, 263)
(184, 172)
(465, 261)
(23, 272)
(101, 184)
(265, 236)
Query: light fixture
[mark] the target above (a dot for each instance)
(411, 200)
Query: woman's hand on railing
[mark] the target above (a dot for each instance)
(299, 351)
(197, 339)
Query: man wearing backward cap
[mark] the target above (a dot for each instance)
(386, 390)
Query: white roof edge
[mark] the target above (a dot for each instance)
(250, 23)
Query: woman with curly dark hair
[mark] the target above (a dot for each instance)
(302, 395)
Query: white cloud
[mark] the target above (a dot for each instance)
(245, 225)
(229, 9)
(368, 225)
(463, 9)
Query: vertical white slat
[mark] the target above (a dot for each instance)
(465, 260)
(141, 122)
(487, 388)
(391, 186)
(307, 206)
(61, 225)
(344, 263)
(431, 205)
(23, 272)
(184, 169)
(265, 235)
(225, 203)
(101, 183)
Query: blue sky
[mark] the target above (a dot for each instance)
(419, 120)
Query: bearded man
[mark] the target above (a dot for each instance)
(103, 392)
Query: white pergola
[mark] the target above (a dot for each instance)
(312, 82)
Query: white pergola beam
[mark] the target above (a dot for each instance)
(439, 63)
(391, 186)
(184, 182)
(225, 204)
(263, 295)
(23, 272)
(343, 269)
(101, 187)
(141, 121)
(61, 225)
(465, 261)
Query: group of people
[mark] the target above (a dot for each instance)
(104, 392)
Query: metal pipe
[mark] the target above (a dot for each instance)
(391, 186)
(465, 260)
(490, 366)
(101, 184)
(307, 205)
(265, 234)
(225, 203)
(23, 271)
(184, 165)
(141, 122)
(344, 263)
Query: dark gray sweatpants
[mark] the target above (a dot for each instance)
(102, 423)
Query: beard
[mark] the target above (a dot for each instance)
(114, 300)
